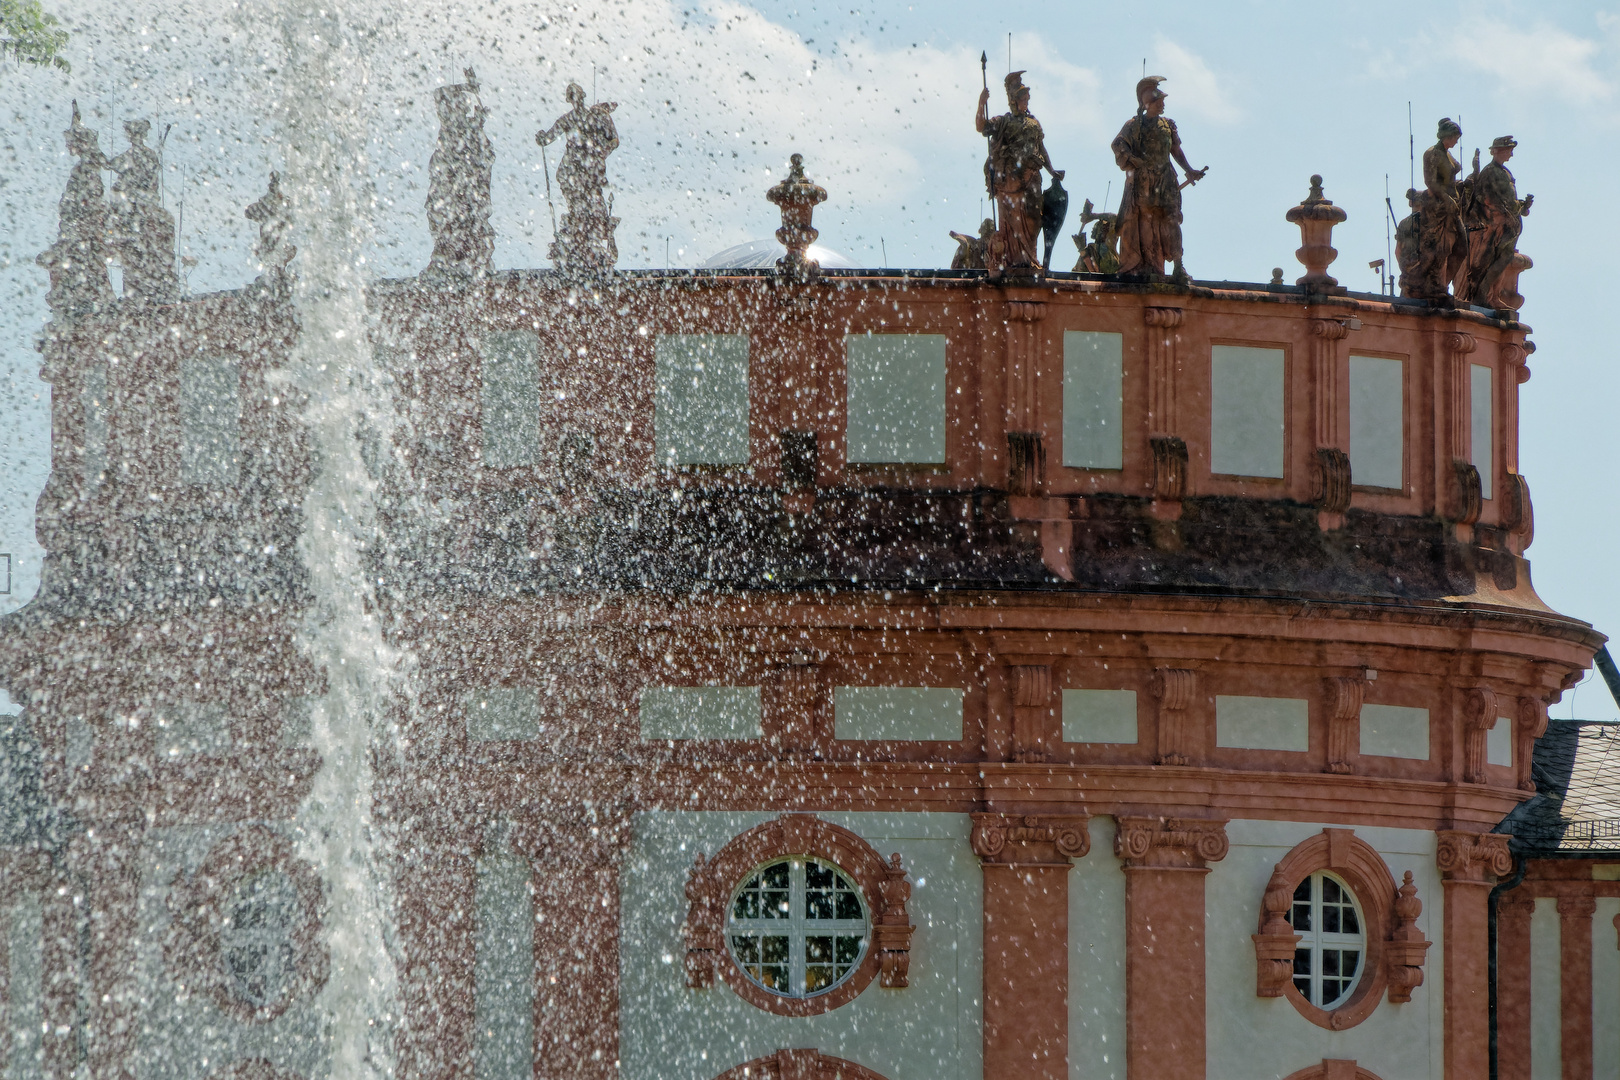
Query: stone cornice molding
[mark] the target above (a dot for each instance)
(1170, 842)
(1472, 858)
(1014, 839)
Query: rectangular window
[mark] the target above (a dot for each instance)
(896, 393)
(1246, 411)
(1093, 397)
(700, 712)
(94, 399)
(1263, 723)
(1395, 731)
(1099, 716)
(210, 416)
(503, 712)
(700, 399)
(1481, 416)
(909, 713)
(22, 921)
(1499, 743)
(503, 973)
(193, 728)
(509, 399)
(1377, 421)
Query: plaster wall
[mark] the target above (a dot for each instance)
(930, 1030)
(1605, 991)
(1546, 1006)
(1251, 1037)
(503, 1045)
(1097, 960)
(184, 1036)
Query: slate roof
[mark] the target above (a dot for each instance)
(1576, 809)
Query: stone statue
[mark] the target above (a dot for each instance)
(273, 214)
(1101, 256)
(77, 262)
(1407, 254)
(1013, 171)
(141, 230)
(1149, 222)
(1441, 243)
(459, 174)
(1494, 215)
(584, 241)
(971, 250)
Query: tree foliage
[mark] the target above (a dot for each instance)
(30, 34)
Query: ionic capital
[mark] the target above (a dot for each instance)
(1472, 857)
(1030, 838)
(1165, 841)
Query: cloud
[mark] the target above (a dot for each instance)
(1195, 88)
(1540, 60)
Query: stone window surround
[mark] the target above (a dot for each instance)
(1395, 948)
(712, 881)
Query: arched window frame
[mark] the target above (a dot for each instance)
(1395, 948)
(712, 882)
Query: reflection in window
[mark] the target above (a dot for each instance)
(256, 942)
(1327, 961)
(798, 927)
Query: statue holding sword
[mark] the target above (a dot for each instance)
(1149, 222)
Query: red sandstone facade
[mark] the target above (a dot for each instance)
(595, 572)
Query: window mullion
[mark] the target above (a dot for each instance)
(796, 929)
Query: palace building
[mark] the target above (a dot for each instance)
(881, 675)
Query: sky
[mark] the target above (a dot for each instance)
(714, 96)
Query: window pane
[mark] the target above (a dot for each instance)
(817, 876)
(700, 399)
(746, 948)
(1351, 924)
(849, 949)
(1330, 891)
(1330, 919)
(1302, 961)
(1246, 411)
(1302, 918)
(849, 905)
(896, 398)
(747, 905)
(1330, 963)
(1377, 422)
(818, 904)
(1093, 397)
(774, 949)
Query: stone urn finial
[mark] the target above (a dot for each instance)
(1316, 217)
(797, 196)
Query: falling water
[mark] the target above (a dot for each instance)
(324, 138)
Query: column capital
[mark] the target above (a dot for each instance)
(1030, 838)
(1515, 906)
(1472, 857)
(1170, 842)
(1577, 907)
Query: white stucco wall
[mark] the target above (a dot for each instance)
(23, 923)
(1605, 992)
(1097, 960)
(1254, 1038)
(1546, 1006)
(930, 1030)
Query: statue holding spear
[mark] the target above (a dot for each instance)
(1013, 174)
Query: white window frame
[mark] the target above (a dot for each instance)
(798, 927)
(1315, 941)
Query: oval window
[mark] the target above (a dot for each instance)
(1328, 958)
(798, 927)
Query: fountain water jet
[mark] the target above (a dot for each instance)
(324, 138)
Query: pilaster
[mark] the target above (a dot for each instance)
(1513, 912)
(1025, 859)
(1575, 985)
(1166, 860)
(1469, 864)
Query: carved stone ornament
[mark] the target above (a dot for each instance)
(1174, 687)
(1030, 838)
(1395, 946)
(77, 262)
(1316, 217)
(1529, 725)
(1472, 857)
(1334, 1069)
(584, 241)
(1479, 716)
(1330, 480)
(1345, 695)
(797, 197)
(799, 1065)
(245, 927)
(1169, 466)
(712, 881)
(1167, 841)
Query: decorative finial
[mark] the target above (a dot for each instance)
(1316, 216)
(797, 196)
